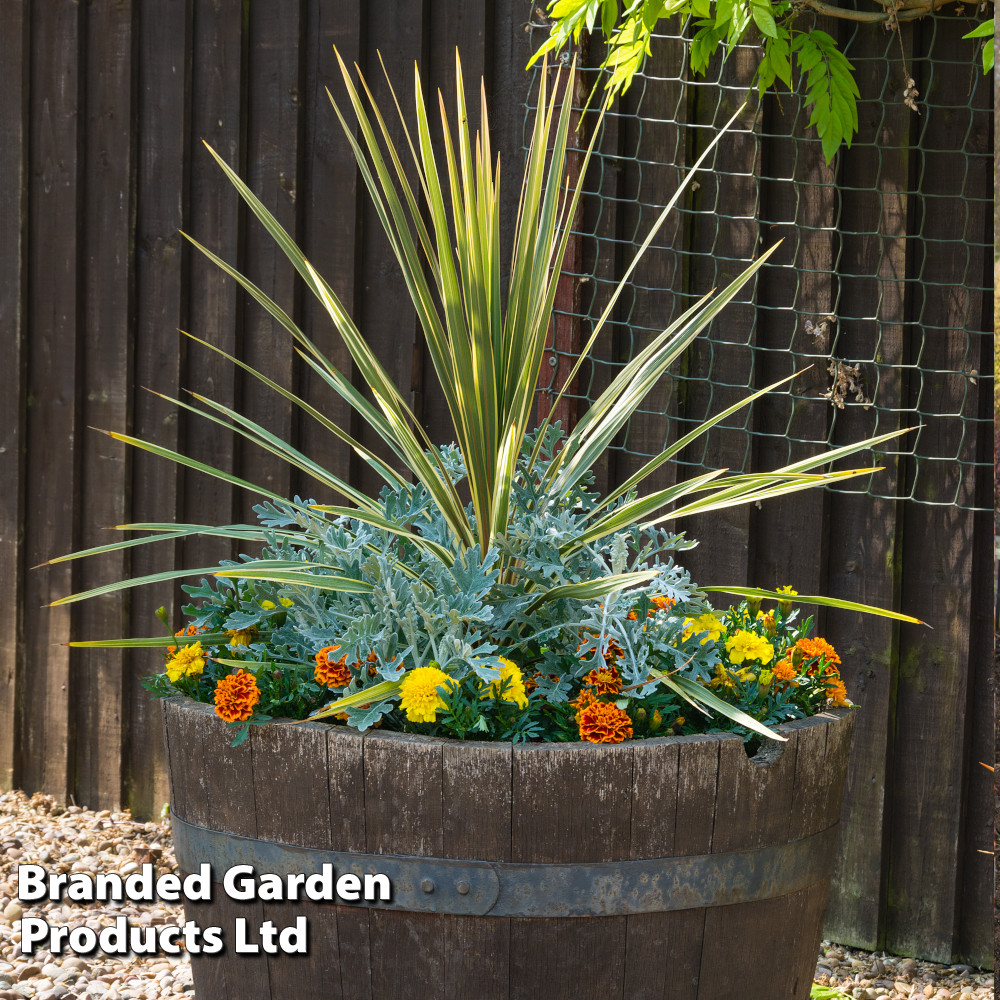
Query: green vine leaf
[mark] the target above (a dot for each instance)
(985, 30)
(830, 89)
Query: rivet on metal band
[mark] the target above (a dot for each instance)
(505, 889)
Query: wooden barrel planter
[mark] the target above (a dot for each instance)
(670, 867)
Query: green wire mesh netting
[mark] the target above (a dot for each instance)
(879, 296)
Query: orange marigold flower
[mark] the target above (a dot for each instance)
(784, 670)
(190, 630)
(531, 683)
(602, 722)
(235, 696)
(583, 701)
(836, 692)
(331, 673)
(611, 653)
(816, 648)
(658, 603)
(606, 680)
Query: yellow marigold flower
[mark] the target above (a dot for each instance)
(722, 679)
(765, 677)
(188, 661)
(268, 605)
(747, 646)
(235, 696)
(511, 681)
(286, 602)
(768, 622)
(785, 607)
(419, 696)
(241, 636)
(708, 626)
(602, 722)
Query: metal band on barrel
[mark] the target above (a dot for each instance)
(505, 889)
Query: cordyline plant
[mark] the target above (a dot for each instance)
(537, 608)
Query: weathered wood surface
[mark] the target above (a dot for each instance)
(566, 808)
(162, 145)
(796, 201)
(866, 541)
(721, 364)
(14, 129)
(53, 430)
(389, 793)
(934, 673)
(106, 99)
(108, 277)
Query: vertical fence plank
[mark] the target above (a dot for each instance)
(329, 224)
(508, 49)
(272, 154)
(657, 284)
(385, 312)
(14, 126)
(162, 84)
(563, 340)
(722, 241)
(864, 530)
(606, 178)
(934, 672)
(460, 26)
(974, 943)
(105, 380)
(216, 116)
(798, 206)
(975, 940)
(53, 427)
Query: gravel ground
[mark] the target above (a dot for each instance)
(37, 830)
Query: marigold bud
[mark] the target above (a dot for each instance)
(753, 606)
(277, 675)
(640, 715)
(655, 720)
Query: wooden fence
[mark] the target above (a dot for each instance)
(103, 107)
